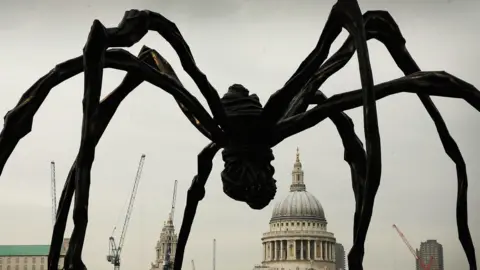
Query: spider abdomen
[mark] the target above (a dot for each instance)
(248, 175)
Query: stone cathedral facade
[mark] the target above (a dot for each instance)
(298, 238)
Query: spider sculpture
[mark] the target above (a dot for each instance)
(240, 125)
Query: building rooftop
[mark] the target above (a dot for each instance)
(24, 250)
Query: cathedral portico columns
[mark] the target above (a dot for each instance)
(264, 252)
(281, 250)
(329, 250)
(330, 253)
(308, 249)
(325, 250)
(295, 249)
(321, 249)
(270, 250)
(301, 249)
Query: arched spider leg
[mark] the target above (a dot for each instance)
(22, 116)
(195, 194)
(134, 26)
(403, 59)
(355, 154)
(98, 42)
(107, 109)
(344, 13)
(18, 121)
(433, 83)
(429, 83)
(381, 26)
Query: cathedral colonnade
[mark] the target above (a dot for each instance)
(299, 249)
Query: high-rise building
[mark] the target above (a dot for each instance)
(428, 249)
(339, 257)
(28, 257)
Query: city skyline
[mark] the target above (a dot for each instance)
(260, 48)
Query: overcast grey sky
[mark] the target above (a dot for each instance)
(258, 44)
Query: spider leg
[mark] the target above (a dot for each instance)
(381, 26)
(195, 194)
(18, 121)
(345, 13)
(106, 110)
(354, 155)
(378, 25)
(354, 152)
(135, 24)
(428, 83)
(98, 41)
(392, 38)
(433, 83)
(93, 61)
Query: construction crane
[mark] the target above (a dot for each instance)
(168, 263)
(114, 249)
(53, 192)
(193, 265)
(413, 251)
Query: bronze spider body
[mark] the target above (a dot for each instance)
(246, 130)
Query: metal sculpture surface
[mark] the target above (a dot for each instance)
(240, 125)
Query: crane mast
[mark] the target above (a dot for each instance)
(53, 191)
(174, 199)
(114, 249)
(168, 264)
(214, 253)
(413, 251)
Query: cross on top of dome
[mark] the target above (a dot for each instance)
(297, 163)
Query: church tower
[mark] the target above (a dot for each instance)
(166, 246)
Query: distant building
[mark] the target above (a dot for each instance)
(298, 238)
(428, 249)
(261, 267)
(165, 248)
(339, 257)
(28, 257)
